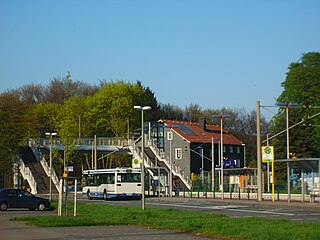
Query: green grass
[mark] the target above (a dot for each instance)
(180, 220)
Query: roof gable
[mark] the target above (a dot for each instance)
(192, 132)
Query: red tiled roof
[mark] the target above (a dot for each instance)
(192, 132)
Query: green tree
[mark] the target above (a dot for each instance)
(45, 117)
(171, 112)
(13, 132)
(109, 108)
(301, 86)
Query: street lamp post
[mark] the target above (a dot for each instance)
(142, 109)
(212, 163)
(259, 156)
(50, 184)
(170, 138)
(202, 168)
(221, 117)
(244, 155)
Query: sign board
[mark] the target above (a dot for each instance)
(267, 154)
(135, 163)
(169, 136)
(70, 168)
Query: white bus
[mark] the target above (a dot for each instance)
(112, 183)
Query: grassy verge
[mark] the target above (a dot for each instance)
(180, 220)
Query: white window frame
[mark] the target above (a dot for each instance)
(178, 153)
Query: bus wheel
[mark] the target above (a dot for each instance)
(105, 196)
(88, 194)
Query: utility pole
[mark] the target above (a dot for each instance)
(259, 177)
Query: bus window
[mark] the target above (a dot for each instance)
(90, 180)
(110, 178)
(99, 180)
(129, 177)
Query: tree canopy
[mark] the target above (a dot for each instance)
(301, 96)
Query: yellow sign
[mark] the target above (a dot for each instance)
(267, 154)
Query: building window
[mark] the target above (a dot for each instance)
(238, 149)
(231, 149)
(178, 153)
(224, 148)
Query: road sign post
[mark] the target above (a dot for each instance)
(267, 157)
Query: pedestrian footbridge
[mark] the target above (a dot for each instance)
(36, 170)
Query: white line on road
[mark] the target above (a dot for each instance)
(262, 211)
(226, 207)
(195, 206)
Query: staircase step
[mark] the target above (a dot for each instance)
(41, 178)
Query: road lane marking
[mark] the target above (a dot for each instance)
(263, 212)
(196, 206)
(226, 207)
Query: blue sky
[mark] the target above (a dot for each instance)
(225, 53)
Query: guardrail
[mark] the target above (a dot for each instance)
(54, 176)
(27, 174)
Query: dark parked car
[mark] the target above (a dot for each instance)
(18, 198)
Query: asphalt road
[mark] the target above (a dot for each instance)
(295, 211)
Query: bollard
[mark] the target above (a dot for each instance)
(239, 196)
(248, 193)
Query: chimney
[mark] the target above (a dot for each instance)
(202, 123)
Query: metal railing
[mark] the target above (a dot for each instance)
(175, 169)
(136, 152)
(81, 141)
